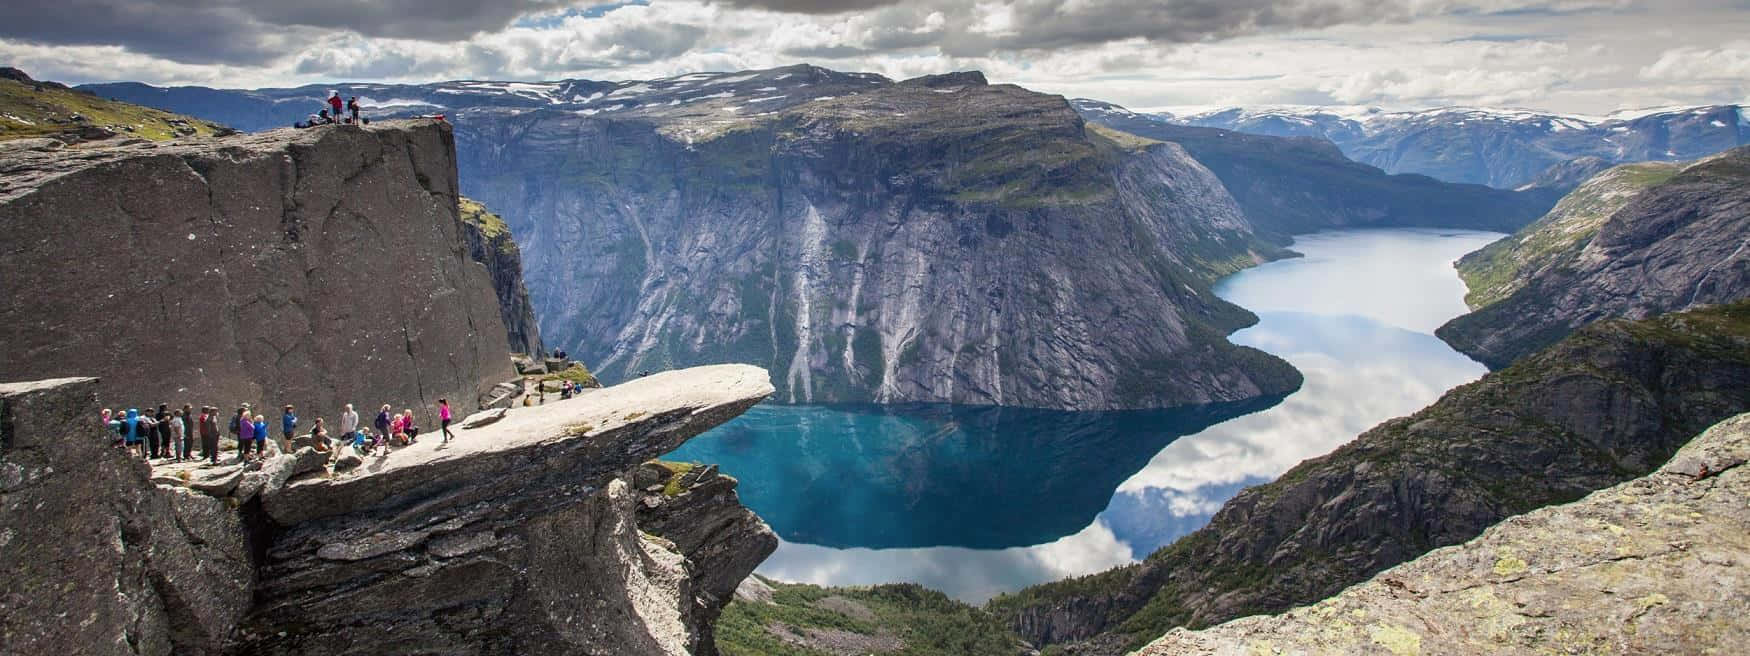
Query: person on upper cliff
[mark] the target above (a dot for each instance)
(148, 434)
(186, 451)
(334, 104)
(352, 107)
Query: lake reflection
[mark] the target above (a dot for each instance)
(1075, 493)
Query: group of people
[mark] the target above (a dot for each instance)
(169, 434)
(331, 112)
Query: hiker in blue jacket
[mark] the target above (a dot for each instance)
(288, 427)
(260, 436)
(131, 435)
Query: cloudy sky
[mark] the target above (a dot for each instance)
(1576, 56)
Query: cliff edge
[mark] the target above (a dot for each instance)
(528, 534)
(313, 267)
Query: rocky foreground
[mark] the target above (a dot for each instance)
(539, 531)
(1607, 404)
(1652, 566)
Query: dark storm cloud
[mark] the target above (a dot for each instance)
(248, 31)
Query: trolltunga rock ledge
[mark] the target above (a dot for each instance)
(1652, 566)
(522, 536)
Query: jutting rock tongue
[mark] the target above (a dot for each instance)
(315, 267)
(541, 533)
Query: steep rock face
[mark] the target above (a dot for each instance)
(1682, 243)
(97, 560)
(933, 240)
(313, 267)
(490, 243)
(1646, 567)
(1607, 404)
(1499, 269)
(1295, 185)
(521, 536)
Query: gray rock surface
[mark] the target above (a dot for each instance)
(519, 537)
(932, 240)
(1680, 244)
(490, 243)
(1607, 404)
(312, 267)
(723, 539)
(97, 559)
(1651, 566)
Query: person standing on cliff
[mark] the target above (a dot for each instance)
(349, 425)
(288, 426)
(188, 428)
(244, 430)
(178, 448)
(334, 105)
(209, 427)
(260, 437)
(384, 418)
(444, 418)
(352, 107)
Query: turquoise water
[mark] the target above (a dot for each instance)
(976, 501)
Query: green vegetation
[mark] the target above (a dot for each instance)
(676, 471)
(1120, 138)
(46, 109)
(898, 620)
(491, 225)
(576, 373)
(1499, 269)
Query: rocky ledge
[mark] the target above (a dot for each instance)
(1651, 566)
(526, 534)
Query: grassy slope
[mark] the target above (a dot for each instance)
(1202, 570)
(1497, 270)
(925, 621)
(27, 112)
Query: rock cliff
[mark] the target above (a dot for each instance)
(526, 535)
(1681, 243)
(1607, 404)
(490, 243)
(314, 267)
(1553, 241)
(932, 240)
(1650, 566)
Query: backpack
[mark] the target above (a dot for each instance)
(234, 427)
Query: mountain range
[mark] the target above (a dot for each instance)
(939, 239)
(1503, 148)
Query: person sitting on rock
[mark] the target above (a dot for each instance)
(319, 436)
(397, 432)
(408, 427)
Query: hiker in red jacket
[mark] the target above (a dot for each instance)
(334, 105)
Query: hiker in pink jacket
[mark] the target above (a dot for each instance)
(444, 418)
